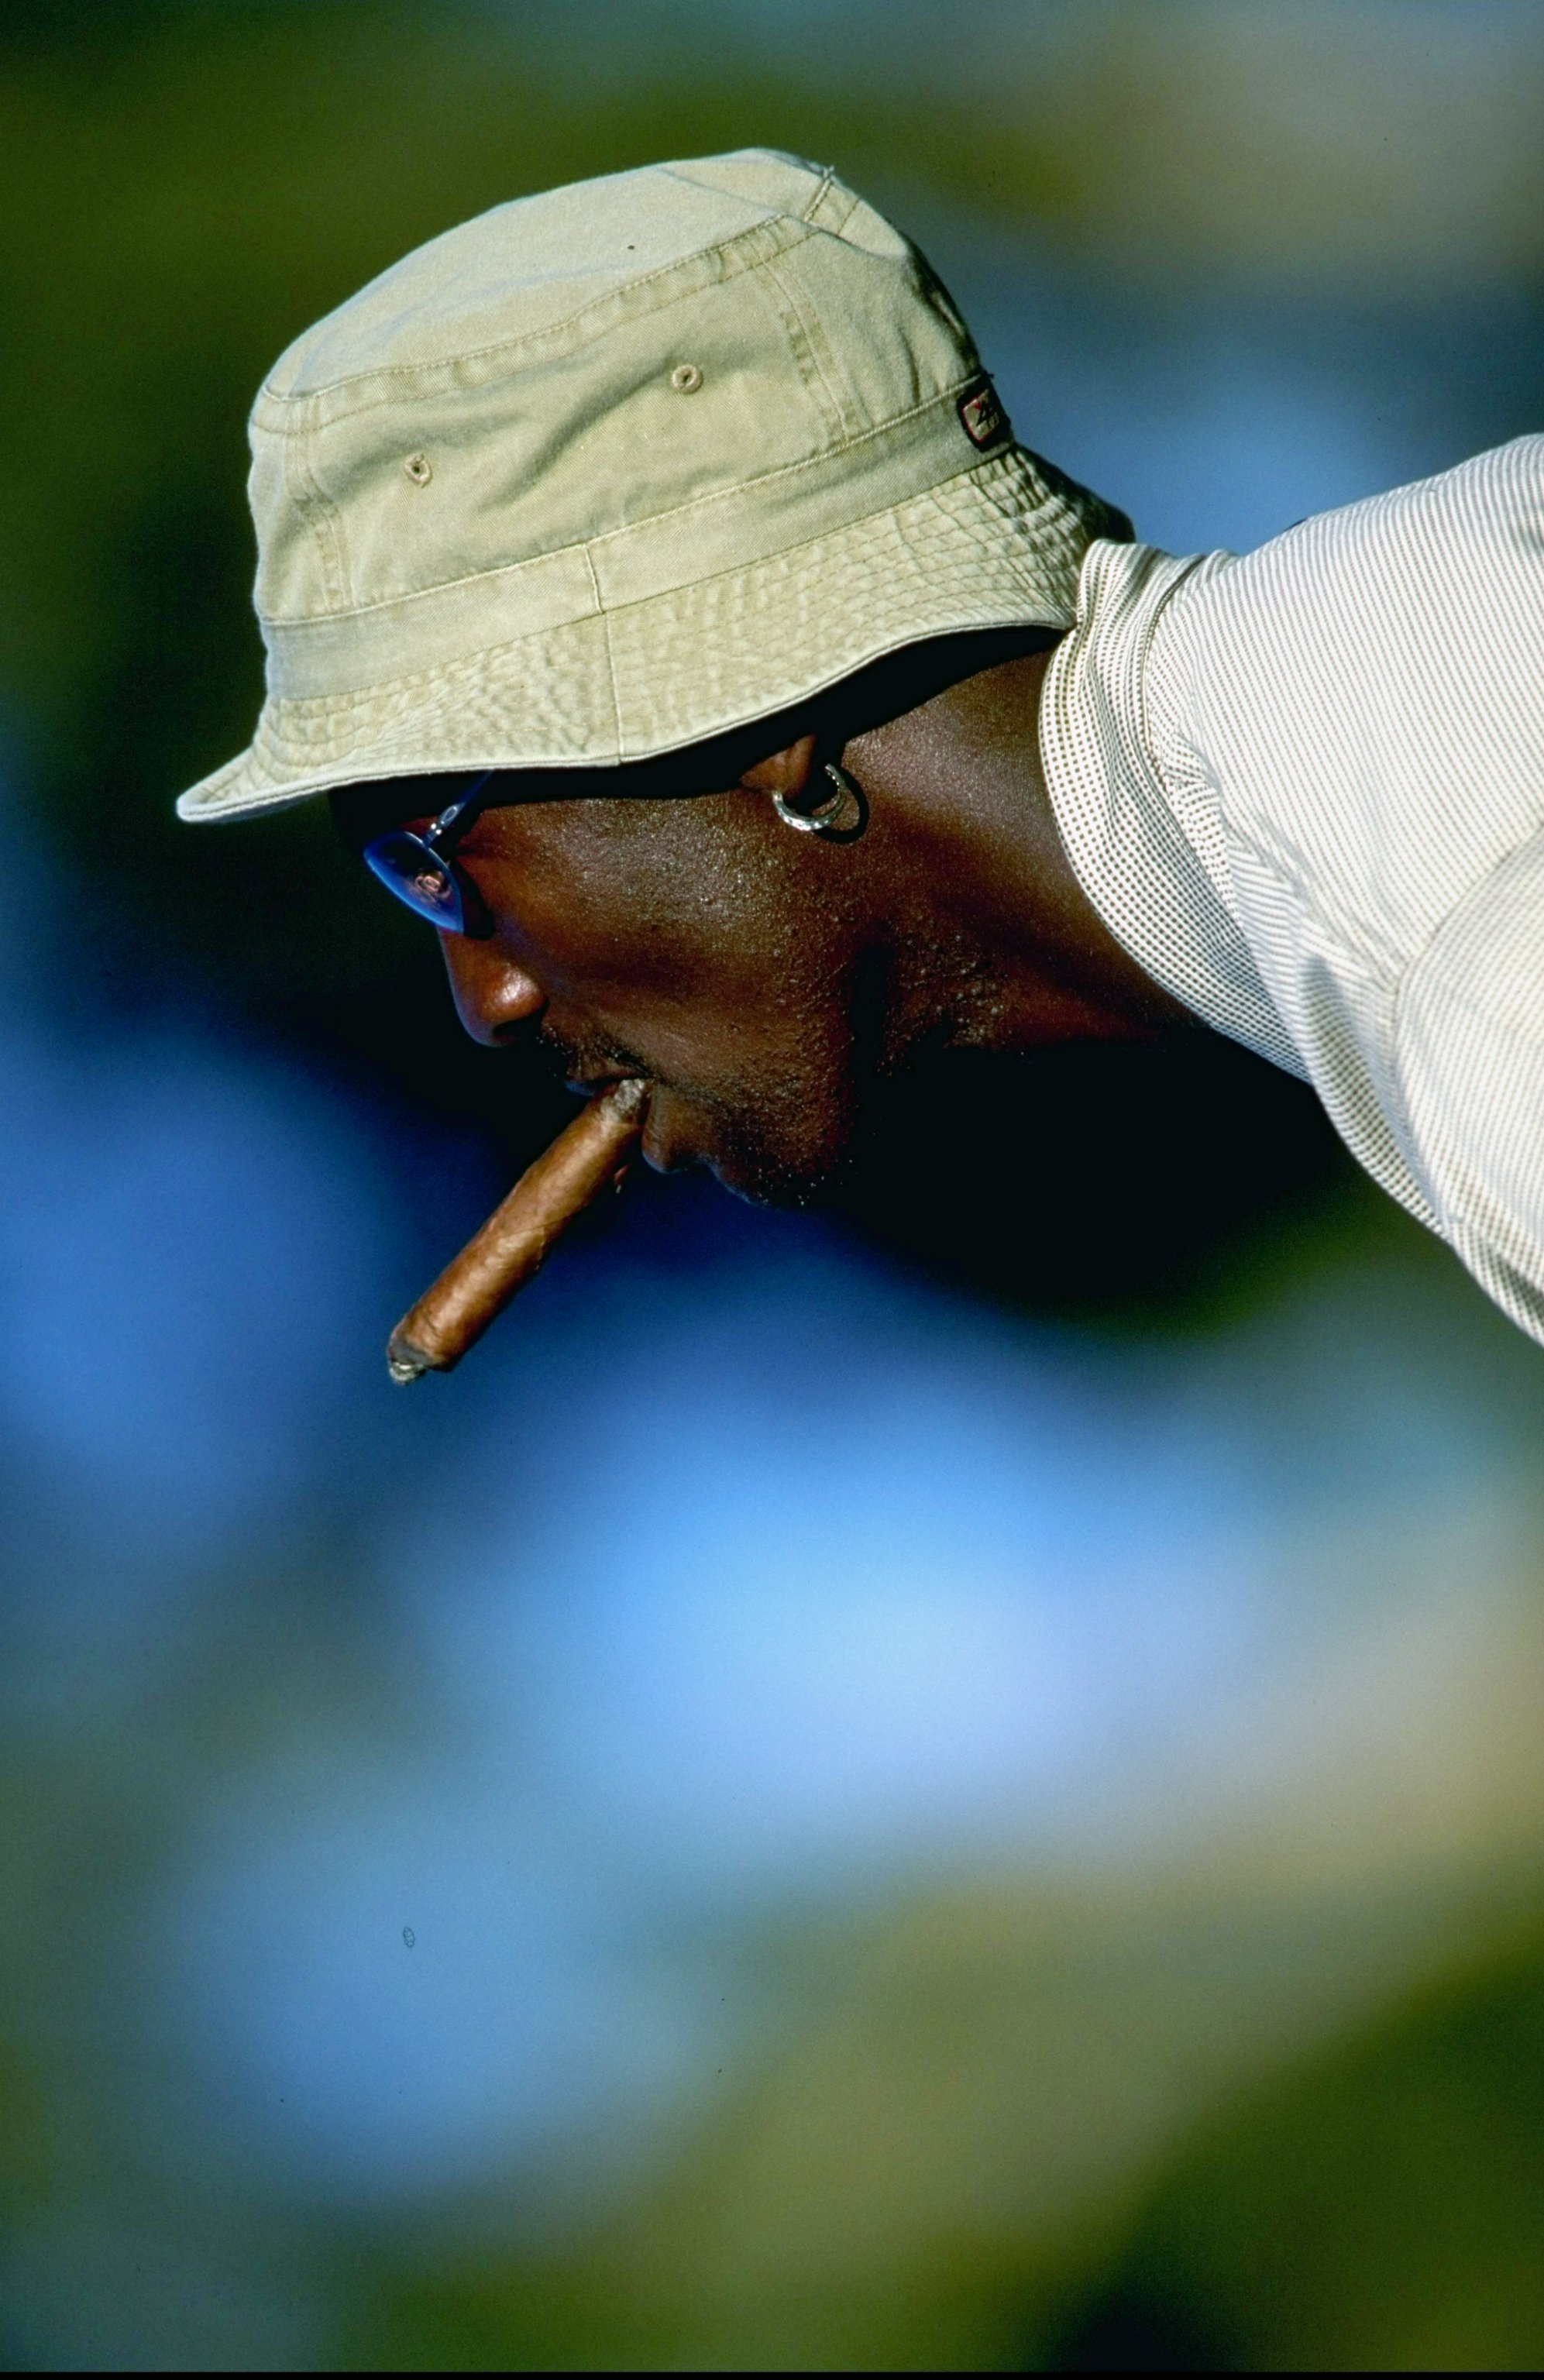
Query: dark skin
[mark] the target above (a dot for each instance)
(759, 977)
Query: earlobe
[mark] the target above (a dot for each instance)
(840, 815)
(786, 773)
(814, 797)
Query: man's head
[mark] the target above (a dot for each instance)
(673, 921)
(693, 940)
(596, 485)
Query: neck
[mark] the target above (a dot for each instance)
(997, 944)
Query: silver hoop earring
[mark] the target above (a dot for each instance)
(841, 817)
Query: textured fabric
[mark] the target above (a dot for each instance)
(616, 468)
(1305, 788)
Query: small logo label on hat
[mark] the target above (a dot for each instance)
(982, 417)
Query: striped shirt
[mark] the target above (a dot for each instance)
(1305, 789)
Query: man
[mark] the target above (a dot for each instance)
(651, 579)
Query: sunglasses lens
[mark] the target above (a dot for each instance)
(419, 877)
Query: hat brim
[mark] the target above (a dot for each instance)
(997, 546)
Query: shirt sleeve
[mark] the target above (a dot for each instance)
(1354, 715)
(1305, 789)
(1469, 1054)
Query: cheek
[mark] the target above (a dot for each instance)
(650, 930)
(739, 995)
(701, 941)
(730, 982)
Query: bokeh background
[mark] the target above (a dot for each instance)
(955, 1784)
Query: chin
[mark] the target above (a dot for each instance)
(764, 1174)
(764, 1185)
(766, 1155)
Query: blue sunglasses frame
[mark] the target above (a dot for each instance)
(422, 872)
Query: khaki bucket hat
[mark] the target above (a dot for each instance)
(619, 467)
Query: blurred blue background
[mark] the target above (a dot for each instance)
(859, 1792)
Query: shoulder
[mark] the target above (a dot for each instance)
(1365, 696)
(1451, 555)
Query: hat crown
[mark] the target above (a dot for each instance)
(569, 366)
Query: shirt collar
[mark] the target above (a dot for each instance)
(1128, 847)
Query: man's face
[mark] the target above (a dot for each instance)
(697, 942)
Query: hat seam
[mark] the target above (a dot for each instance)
(807, 362)
(301, 622)
(827, 177)
(324, 520)
(621, 301)
(811, 335)
(604, 618)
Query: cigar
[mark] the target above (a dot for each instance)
(473, 1290)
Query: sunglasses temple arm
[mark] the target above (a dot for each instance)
(449, 817)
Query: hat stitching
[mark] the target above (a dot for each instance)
(973, 527)
(812, 353)
(704, 268)
(341, 768)
(827, 176)
(611, 657)
(1037, 525)
(300, 713)
(941, 403)
(807, 362)
(322, 519)
(790, 271)
(834, 209)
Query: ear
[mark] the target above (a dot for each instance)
(785, 772)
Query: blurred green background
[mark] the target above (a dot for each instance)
(841, 1799)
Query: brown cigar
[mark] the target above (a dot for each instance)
(474, 1291)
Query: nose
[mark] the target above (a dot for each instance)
(492, 994)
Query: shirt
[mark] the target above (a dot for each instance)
(1304, 787)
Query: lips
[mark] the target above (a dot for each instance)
(658, 1145)
(678, 1132)
(668, 1143)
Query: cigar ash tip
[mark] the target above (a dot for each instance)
(405, 1362)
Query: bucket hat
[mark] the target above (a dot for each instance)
(619, 467)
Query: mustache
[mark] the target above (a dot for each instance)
(587, 1057)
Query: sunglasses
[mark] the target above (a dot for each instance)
(420, 868)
